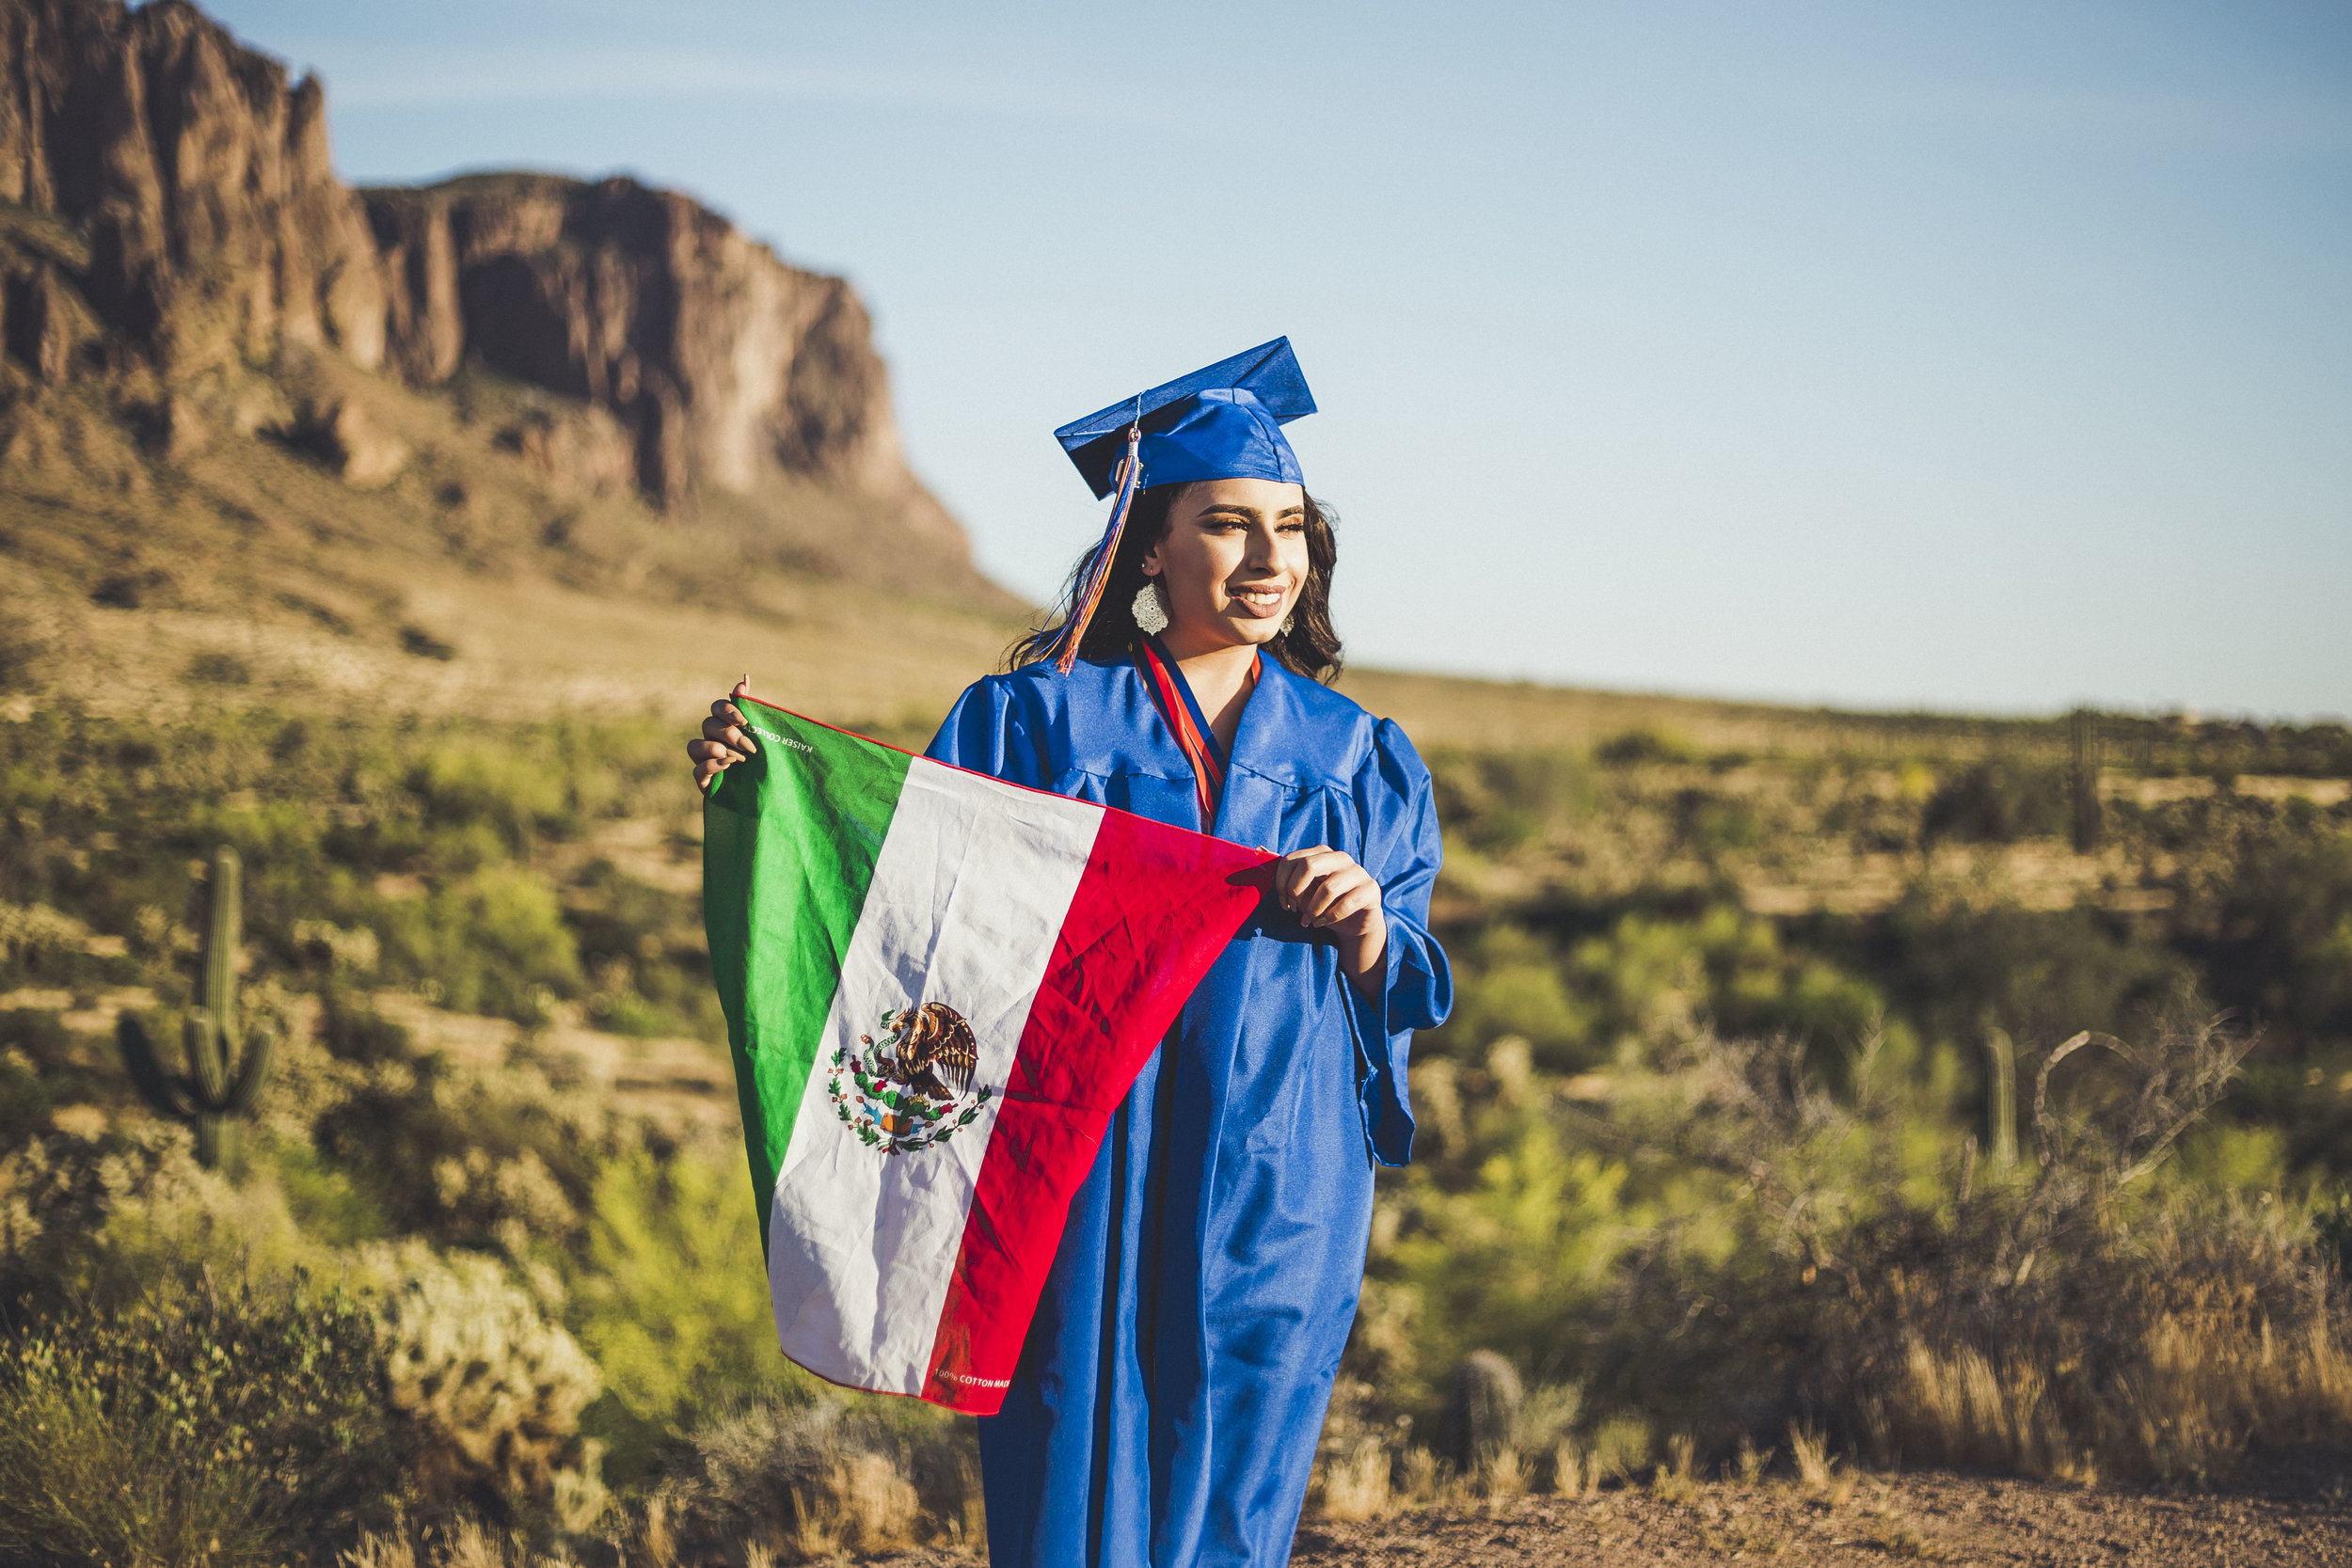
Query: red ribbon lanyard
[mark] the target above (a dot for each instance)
(1192, 733)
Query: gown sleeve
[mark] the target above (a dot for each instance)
(986, 732)
(1402, 850)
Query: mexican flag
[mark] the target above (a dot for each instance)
(938, 987)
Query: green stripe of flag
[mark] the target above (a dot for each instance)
(790, 840)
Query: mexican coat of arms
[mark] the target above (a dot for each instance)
(913, 1088)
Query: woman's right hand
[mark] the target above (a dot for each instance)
(726, 738)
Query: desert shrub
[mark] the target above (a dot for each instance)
(490, 1384)
(38, 942)
(57, 1193)
(1956, 966)
(672, 1298)
(322, 1199)
(457, 1156)
(816, 1478)
(1648, 976)
(495, 942)
(641, 946)
(2278, 933)
(354, 1030)
(1999, 802)
(1500, 801)
(214, 667)
(221, 1428)
(466, 779)
(2074, 1318)
(1712, 825)
(1634, 747)
(1653, 976)
(1508, 981)
(23, 1100)
(1495, 1247)
(27, 645)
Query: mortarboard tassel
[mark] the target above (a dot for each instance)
(1090, 591)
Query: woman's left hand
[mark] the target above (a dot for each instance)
(1330, 892)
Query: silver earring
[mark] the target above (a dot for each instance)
(1288, 622)
(1148, 613)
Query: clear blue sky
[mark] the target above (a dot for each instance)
(1990, 356)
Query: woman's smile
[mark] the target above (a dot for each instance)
(1230, 566)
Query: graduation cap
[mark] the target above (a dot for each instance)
(1222, 421)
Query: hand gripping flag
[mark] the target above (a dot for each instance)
(938, 987)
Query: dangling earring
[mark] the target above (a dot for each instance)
(1150, 613)
(1289, 620)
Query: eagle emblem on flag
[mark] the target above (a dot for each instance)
(914, 1089)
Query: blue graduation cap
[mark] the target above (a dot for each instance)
(1222, 421)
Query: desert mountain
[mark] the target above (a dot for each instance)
(494, 430)
(506, 444)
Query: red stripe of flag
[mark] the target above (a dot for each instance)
(1153, 911)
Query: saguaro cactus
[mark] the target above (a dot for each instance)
(226, 1061)
(2000, 1096)
(1482, 1412)
(2082, 778)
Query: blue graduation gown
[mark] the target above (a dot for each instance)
(1174, 1380)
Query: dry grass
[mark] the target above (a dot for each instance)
(1675, 1479)
(392, 1548)
(1808, 1448)
(1421, 1479)
(812, 1483)
(1357, 1486)
(1618, 1447)
(864, 1505)
(458, 1541)
(80, 1483)
(1899, 1537)
(1571, 1477)
(2198, 1387)
(2070, 1319)
(1503, 1475)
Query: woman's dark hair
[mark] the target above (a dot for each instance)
(1310, 648)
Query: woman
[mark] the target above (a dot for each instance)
(1175, 1378)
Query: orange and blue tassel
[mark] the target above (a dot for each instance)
(1089, 594)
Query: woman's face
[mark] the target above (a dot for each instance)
(1233, 563)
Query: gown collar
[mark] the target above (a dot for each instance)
(1181, 710)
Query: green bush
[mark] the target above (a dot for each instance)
(1999, 802)
(821, 1478)
(672, 1298)
(494, 943)
(354, 1030)
(490, 1386)
(1502, 801)
(327, 815)
(1634, 747)
(457, 1156)
(2281, 933)
(219, 1428)
(1503, 1243)
(1956, 966)
(1508, 981)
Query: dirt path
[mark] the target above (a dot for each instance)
(2293, 1511)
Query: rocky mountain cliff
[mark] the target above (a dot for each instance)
(183, 280)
